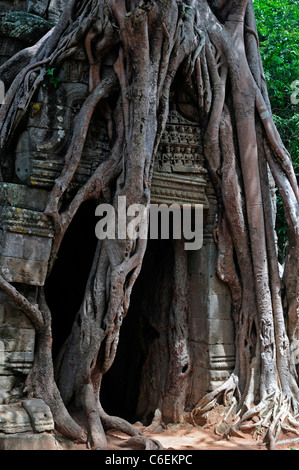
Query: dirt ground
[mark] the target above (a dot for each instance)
(187, 437)
(191, 437)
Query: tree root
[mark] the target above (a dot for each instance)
(142, 443)
(32, 312)
(210, 400)
(266, 420)
(137, 440)
(119, 424)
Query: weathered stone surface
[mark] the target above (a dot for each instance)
(38, 7)
(17, 341)
(42, 146)
(11, 388)
(178, 189)
(55, 9)
(28, 415)
(24, 221)
(211, 325)
(75, 71)
(18, 350)
(179, 174)
(220, 332)
(14, 419)
(28, 442)
(12, 316)
(222, 356)
(26, 235)
(22, 197)
(24, 270)
(40, 415)
(26, 247)
(24, 26)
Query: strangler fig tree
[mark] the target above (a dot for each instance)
(212, 46)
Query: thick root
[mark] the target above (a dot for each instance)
(137, 440)
(209, 401)
(266, 421)
(48, 391)
(142, 443)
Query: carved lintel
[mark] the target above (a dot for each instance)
(44, 173)
(178, 189)
(179, 175)
(25, 221)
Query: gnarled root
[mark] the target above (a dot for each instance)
(40, 382)
(143, 443)
(266, 420)
(137, 440)
(273, 415)
(209, 401)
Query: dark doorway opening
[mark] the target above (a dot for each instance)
(150, 299)
(65, 286)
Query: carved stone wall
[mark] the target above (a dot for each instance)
(26, 238)
(41, 148)
(26, 234)
(17, 354)
(211, 325)
(179, 173)
(181, 177)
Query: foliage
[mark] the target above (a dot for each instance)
(51, 77)
(278, 29)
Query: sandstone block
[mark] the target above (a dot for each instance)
(14, 419)
(28, 442)
(40, 415)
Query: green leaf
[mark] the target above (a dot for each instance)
(50, 71)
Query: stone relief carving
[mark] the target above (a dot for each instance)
(41, 148)
(179, 174)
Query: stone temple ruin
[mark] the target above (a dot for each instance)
(26, 234)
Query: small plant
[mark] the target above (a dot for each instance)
(54, 80)
(185, 9)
